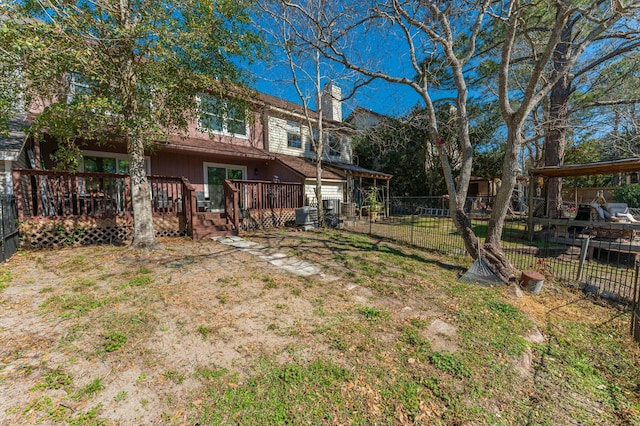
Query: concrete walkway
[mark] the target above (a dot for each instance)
(283, 261)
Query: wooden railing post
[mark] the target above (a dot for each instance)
(189, 205)
(17, 192)
(232, 203)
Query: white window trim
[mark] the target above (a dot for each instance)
(8, 177)
(75, 85)
(206, 165)
(117, 156)
(225, 121)
(294, 127)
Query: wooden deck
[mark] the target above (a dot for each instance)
(58, 204)
(622, 238)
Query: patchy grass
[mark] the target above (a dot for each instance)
(198, 333)
(5, 279)
(113, 342)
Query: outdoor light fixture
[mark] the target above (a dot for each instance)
(255, 171)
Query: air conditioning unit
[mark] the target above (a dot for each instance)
(307, 217)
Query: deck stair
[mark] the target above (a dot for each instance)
(212, 224)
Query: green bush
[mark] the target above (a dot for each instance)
(629, 194)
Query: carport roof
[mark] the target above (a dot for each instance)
(585, 169)
(358, 171)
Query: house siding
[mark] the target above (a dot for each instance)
(191, 165)
(330, 191)
(278, 138)
(278, 142)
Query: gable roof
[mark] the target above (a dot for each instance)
(286, 107)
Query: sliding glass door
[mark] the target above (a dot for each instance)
(214, 176)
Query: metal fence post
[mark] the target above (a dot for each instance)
(2, 221)
(411, 238)
(634, 304)
(583, 257)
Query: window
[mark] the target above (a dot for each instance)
(334, 144)
(106, 162)
(79, 87)
(221, 116)
(294, 136)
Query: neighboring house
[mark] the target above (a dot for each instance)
(237, 170)
(364, 119)
(12, 151)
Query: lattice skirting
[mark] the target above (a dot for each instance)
(47, 233)
(272, 219)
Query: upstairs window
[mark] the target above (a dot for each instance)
(334, 144)
(222, 117)
(79, 87)
(294, 135)
(314, 142)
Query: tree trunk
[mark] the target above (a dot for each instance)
(143, 233)
(556, 138)
(493, 253)
(319, 188)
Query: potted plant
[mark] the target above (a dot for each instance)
(374, 205)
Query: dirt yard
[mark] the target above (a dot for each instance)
(109, 335)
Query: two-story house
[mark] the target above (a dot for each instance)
(261, 154)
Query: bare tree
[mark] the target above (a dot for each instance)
(296, 29)
(437, 39)
(421, 32)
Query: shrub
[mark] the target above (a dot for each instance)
(629, 194)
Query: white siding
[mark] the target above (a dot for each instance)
(278, 138)
(330, 190)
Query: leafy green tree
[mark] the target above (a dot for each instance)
(396, 147)
(629, 194)
(136, 67)
(401, 147)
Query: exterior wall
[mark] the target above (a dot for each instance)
(5, 177)
(278, 138)
(330, 191)
(254, 138)
(362, 120)
(191, 165)
(278, 142)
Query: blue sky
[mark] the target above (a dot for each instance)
(379, 96)
(273, 76)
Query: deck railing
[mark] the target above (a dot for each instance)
(269, 196)
(232, 203)
(45, 193)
